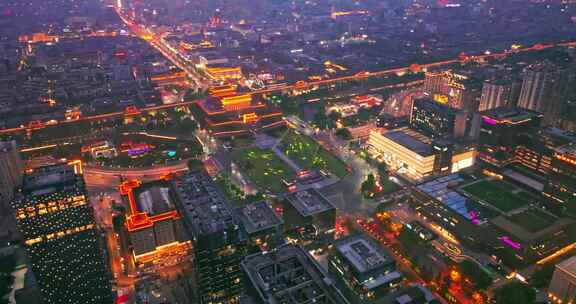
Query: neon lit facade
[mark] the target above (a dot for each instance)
(153, 223)
(236, 115)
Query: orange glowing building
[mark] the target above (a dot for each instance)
(153, 223)
(225, 73)
(237, 115)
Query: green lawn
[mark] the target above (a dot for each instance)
(532, 220)
(311, 155)
(499, 194)
(483, 211)
(263, 168)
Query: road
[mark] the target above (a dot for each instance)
(98, 176)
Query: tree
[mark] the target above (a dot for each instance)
(477, 275)
(368, 186)
(515, 293)
(344, 133)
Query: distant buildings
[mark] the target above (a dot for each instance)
(237, 115)
(498, 93)
(289, 275)
(11, 169)
(218, 243)
(545, 88)
(153, 223)
(455, 89)
(417, 156)
(364, 272)
(61, 237)
(563, 285)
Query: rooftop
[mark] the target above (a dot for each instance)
(509, 115)
(569, 149)
(154, 198)
(432, 105)
(411, 140)
(258, 216)
(309, 202)
(561, 134)
(568, 265)
(362, 253)
(289, 275)
(48, 179)
(203, 205)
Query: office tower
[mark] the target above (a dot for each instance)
(154, 225)
(498, 93)
(11, 170)
(561, 186)
(261, 225)
(288, 275)
(437, 120)
(61, 237)
(218, 243)
(535, 84)
(309, 209)
(545, 89)
(455, 89)
(563, 285)
(364, 272)
(498, 133)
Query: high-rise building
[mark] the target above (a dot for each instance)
(545, 89)
(498, 133)
(437, 120)
(309, 209)
(563, 285)
(455, 89)
(218, 242)
(498, 93)
(364, 272)
(288, 274)
(262, 226)
(61, 237)
(535, 86)
(11, 170)
(561, 186)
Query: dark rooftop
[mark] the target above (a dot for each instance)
(362, 253)
(309, 202)
(289, 275)
(204, 206)
(49, 179)
(258, 216)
